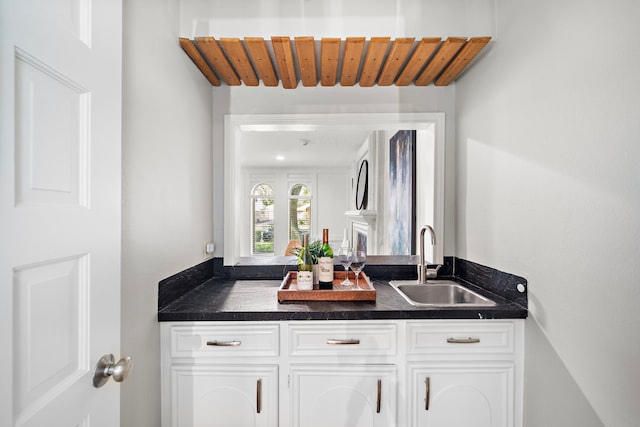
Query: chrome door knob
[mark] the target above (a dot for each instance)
(107, 367)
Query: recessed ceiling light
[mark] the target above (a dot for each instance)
(279, 157)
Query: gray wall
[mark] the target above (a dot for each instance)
(548, 188)
(166, 187)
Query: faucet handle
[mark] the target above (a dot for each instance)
(431, 273)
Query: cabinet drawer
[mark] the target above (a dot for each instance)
(460, 338)
(225, 340)
(344, 339)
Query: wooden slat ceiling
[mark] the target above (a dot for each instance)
(355, 60)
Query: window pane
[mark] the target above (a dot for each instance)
(263, 190)
(262, 220)
(300, 190)
(299, 212)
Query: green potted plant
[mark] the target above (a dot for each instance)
(314, 248)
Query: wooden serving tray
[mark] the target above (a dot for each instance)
(365, 291)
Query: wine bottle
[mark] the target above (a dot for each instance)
(305, 266)
(325, 262)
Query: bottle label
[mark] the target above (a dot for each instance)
(325, 267)
(305, 280)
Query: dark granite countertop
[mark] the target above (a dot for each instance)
(250, 300)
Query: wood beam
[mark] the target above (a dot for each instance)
(373, 60)
(284, 59)
(330, 57)
(399, 51)
(351, 60)
(240, 61)
(442, 57)
(306, 53)
(419, 57)
(213, 52)
(462, 59)
(193, 53)
(259, 54)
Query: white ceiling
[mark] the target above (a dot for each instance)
(328, 148)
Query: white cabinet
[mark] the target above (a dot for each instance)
(349, 396)
(391, 373)
(224, 395)
(220, 374)
(458, 395)
(463, 373)
(343, 374)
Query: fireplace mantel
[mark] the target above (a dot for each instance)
(365, 216)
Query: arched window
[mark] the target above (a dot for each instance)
(262, 219)
(299, 211)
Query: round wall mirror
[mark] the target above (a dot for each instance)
(362, 187)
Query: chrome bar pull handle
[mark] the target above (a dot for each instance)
(463, 340)
(379, 402)
(333, 341)
(233, 343)
(427, 384)
(259, 395)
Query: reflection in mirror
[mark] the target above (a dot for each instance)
(362, 186)
(298, 173)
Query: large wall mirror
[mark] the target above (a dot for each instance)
(288, 174)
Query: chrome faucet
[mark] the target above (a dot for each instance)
(424, 272)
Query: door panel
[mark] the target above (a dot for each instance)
(224, 395)
(60, 115)
(51, 135)
(51, 334)
(343, 396)
(462, 395)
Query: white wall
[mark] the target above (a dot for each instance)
(548, 188)
(167, 174)
(337, 18)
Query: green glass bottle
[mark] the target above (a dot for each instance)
(305, 266)
(325, 262)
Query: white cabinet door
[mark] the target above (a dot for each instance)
(225, 396)
(343, 396)
(462, 395)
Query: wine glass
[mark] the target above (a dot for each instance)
(359, 260)
(345, 257)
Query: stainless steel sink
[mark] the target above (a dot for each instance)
(439, 293)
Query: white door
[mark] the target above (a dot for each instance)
(60, 106)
